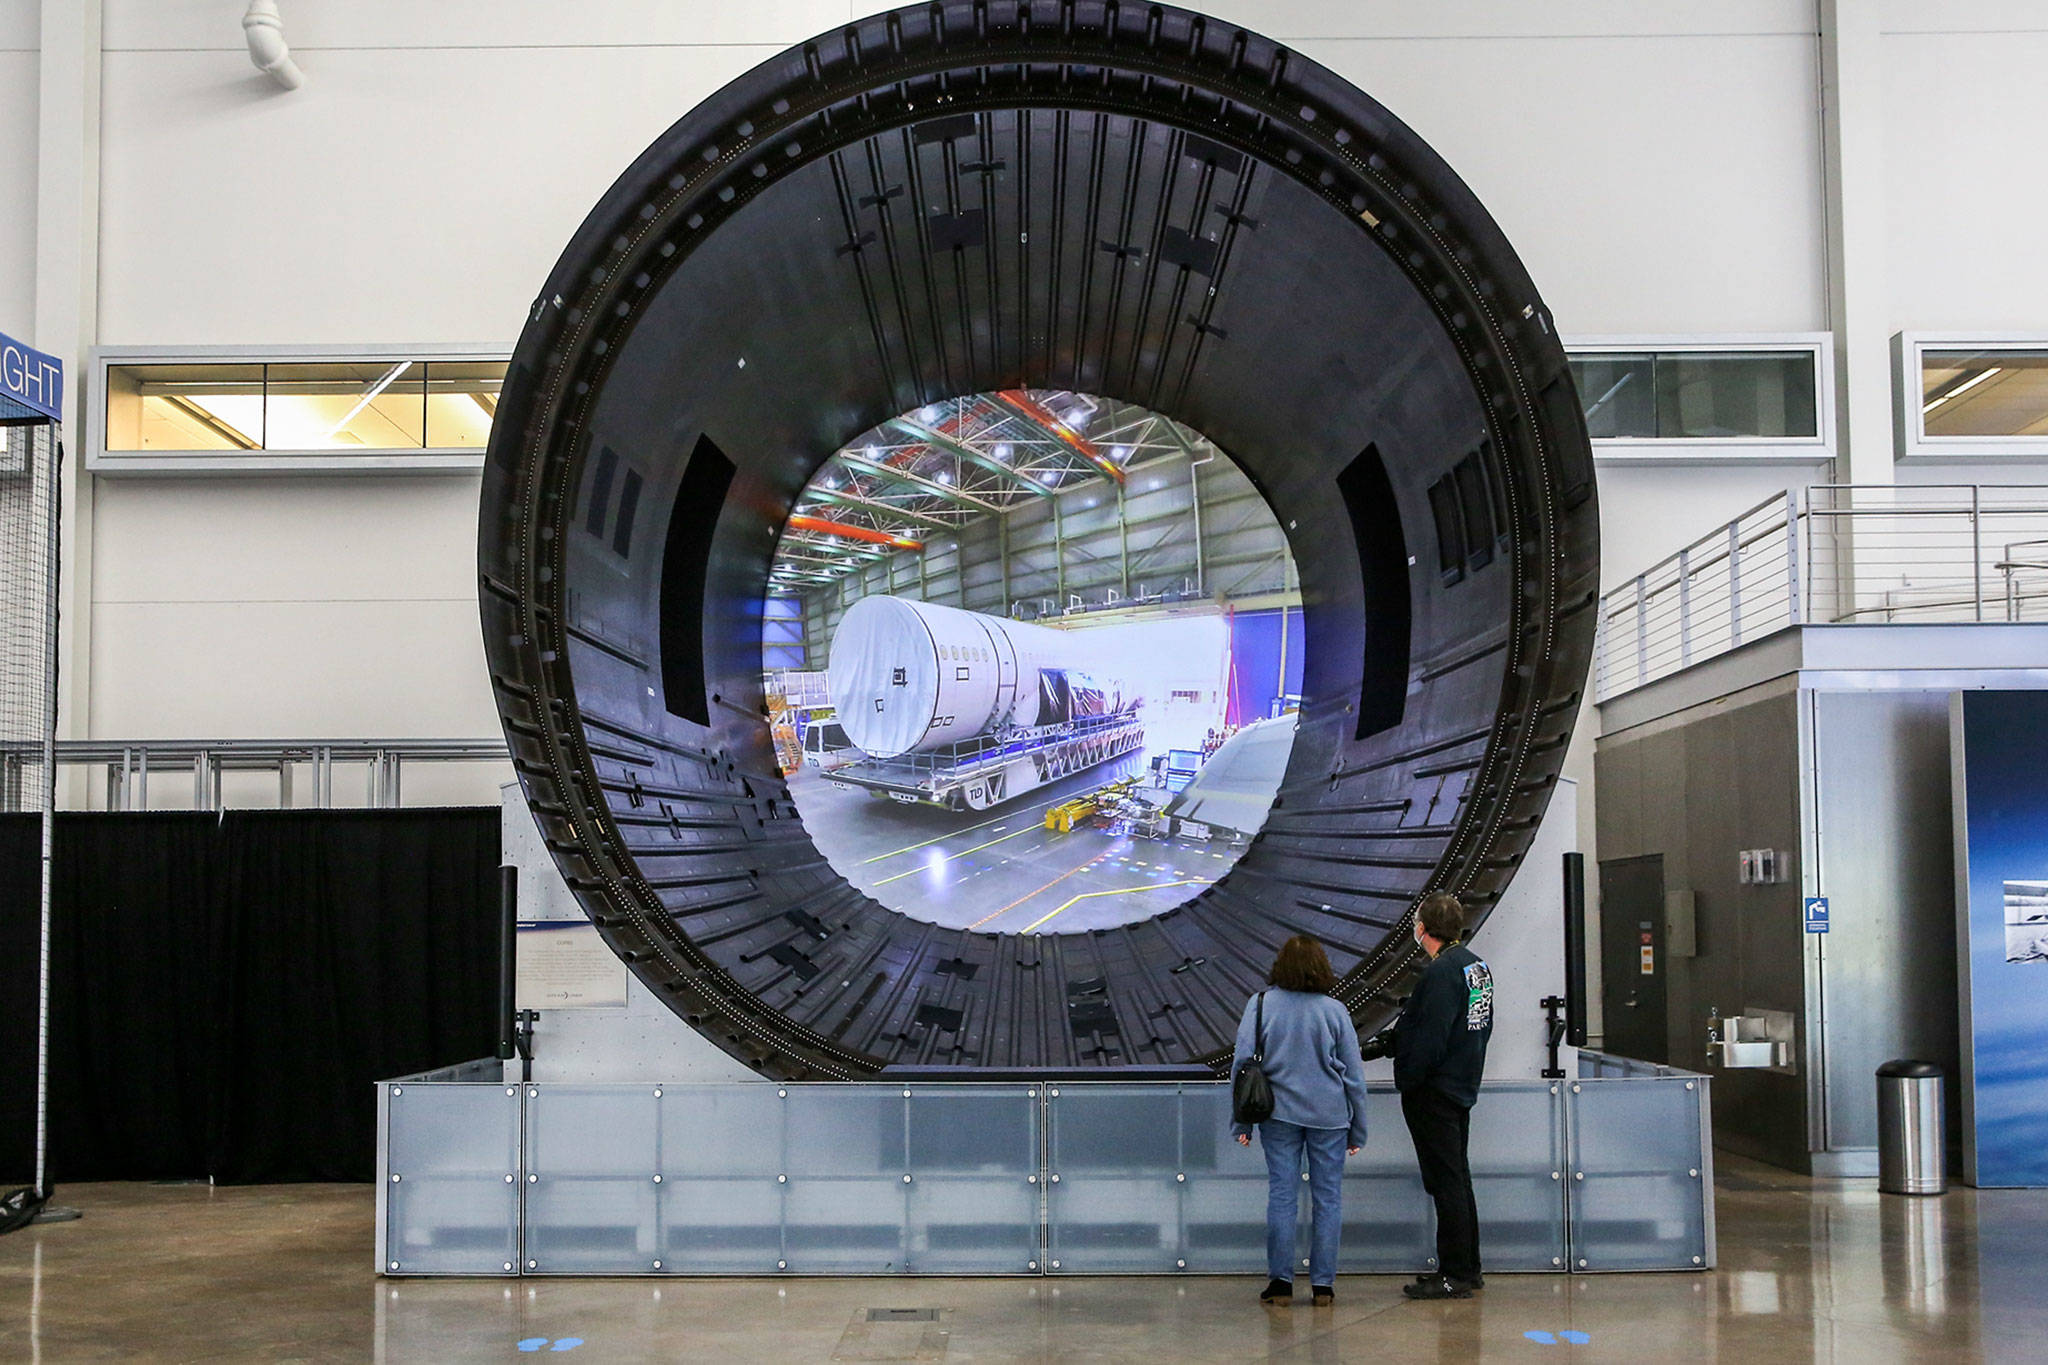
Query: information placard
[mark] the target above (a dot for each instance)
(567, 967)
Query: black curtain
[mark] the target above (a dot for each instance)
(364, 945)
(226, 988)
(134, 899)
(21, 855)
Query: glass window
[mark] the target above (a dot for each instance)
(462, 398)
(326, 406)
(1698, 395)
(359, 405)
(185, 407)
(1619, 393)
(1978, 392)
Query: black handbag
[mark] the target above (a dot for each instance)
(1251, 1094)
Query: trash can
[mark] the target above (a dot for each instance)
(1912, 1134)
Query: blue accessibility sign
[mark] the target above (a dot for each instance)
(1816, 914)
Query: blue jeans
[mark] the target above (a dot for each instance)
(1284, 1144)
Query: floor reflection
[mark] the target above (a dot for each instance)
(1808, 1270)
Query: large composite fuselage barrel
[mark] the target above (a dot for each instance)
(907, 676)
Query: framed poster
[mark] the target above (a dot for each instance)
(1999, 767)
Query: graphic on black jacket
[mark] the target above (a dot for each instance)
(1478, 997)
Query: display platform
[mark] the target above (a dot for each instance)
(479, 1175)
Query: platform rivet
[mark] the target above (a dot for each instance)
(394, 1265)
(657, 1265)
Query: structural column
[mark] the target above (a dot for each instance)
(67, 302)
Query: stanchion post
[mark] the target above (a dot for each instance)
(508, 962)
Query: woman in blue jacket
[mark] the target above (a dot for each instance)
(1318, 1080)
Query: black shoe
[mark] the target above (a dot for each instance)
(1324, 1296)
(1475, 1284)
(1278, 1291)
(1437, 1287)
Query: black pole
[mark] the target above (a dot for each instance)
(1575, 948)
(508, 934)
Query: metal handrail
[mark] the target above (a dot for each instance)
(1850, 552)
(131, 762)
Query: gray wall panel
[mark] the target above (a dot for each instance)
(1887, 866)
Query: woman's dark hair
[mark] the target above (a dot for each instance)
(1303, 966)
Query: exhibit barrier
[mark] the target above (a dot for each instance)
(481, 1176)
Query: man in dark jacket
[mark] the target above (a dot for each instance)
(1439, 1048)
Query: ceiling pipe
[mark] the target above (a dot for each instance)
(265, 32)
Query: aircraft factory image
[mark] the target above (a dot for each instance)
(1039, 662)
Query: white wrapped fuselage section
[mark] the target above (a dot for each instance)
(912, 676)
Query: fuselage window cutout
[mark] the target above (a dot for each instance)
(1478, 509)
(1450, 529)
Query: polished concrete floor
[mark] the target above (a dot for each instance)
(1002, 870)
(1810, 1270)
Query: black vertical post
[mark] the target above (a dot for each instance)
(1575, 948)
(508, 933)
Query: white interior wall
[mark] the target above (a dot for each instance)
(261, 608)
(19, 84)
(1965, 100)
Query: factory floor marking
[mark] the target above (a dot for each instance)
(1113, 891)
(951, 856)
(1082, 867)
(912, 848)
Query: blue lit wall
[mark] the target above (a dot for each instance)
(2003, 837)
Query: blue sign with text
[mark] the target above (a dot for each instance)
(1816, 914)
(32, 379)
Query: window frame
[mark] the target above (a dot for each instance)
(1720, 449)
(1909, 423)
(396, 460)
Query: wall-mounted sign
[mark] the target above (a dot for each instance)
(1816, 914)
(32, 379)
(565, 966)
